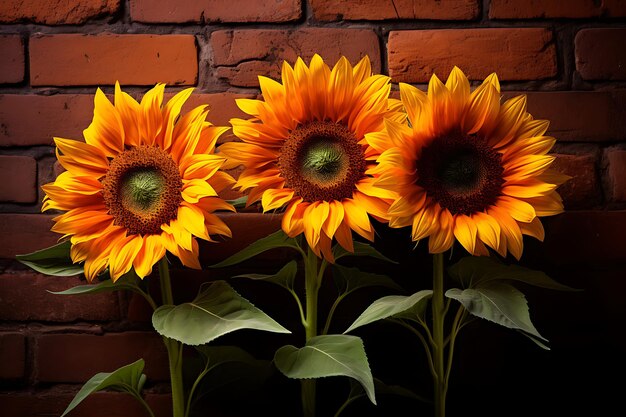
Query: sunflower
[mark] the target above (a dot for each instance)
(143, 182)
(304, 150)
(467, 167)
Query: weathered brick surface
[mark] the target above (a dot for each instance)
(25, 233)
(515, 54)
(601, 54)
(537, 9)
(56, 12)
(101, 404)
(398, 9)
(20, 179)
(583, 189)
(616, 159)
(12, 62)
(240, 56)
(12, 355)
(173, 11)
(581, 116)
(25, 296)
(78, 357)
(67, 115)
(79, 59)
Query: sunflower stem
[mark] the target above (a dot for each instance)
(312, 283)
(174, 347)
(438, 310)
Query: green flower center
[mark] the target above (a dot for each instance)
(322, 161)
(142, 189)
(462, 173)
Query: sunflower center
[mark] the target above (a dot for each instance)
(322, 161)
(142, 189)
(462, 173)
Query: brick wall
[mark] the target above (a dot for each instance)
(568, 56)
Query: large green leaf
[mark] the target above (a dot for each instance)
(351, 279)
(276, 240)
(285, 277)
(474, 271)
(127, 281)
(329, 355)
(400, 306)
(360, 249)
(128, 379)
(54, 260)
(497, 302)
(218, 309)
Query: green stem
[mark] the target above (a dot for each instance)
(144, 404)
(312, 281)
(438, 310)
(456, 327)
(174, 348)
(331, 313)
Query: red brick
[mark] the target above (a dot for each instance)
(101, 404)
(582, 190)
(601, 54)
(67, 115)
(78, 357)
(79, 59)
(25, 233)
(22, 186)
(577, 237)
(540, 9)
(24, 296)
(240, 56)
(515, 54)
(56, 12)
(174, 11)
(62, 115)
(399, 9)
(12, 63)
(616, 159)
(577, 116)
(12, 355)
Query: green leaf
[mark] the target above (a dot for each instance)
(238, 202)
(328, 355)
(128, 379)
(351, 279)
(276, 240)
(285, 277)
(400, 306)
(497, 302)
(54, 260)
(360, 249)
(474, 271)
(357, 391)
(218, 309)
(127, 281)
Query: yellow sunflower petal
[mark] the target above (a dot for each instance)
(128, 109)
(151, 251)
(106, 131)
(482, 109)
(276, 198)
(466, 231)
(123, 254)
(171, 111)
(292, 222)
